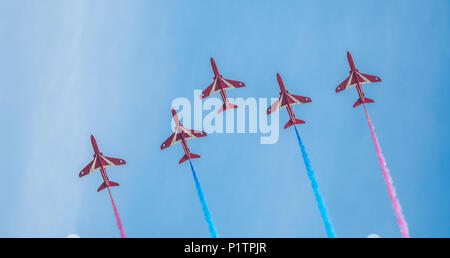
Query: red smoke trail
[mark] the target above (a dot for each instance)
(119, 222)
(389, 183)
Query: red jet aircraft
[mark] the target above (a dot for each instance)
(182, 134)
(101, 162)
(221, 85)
(357, 78)
(287, 100)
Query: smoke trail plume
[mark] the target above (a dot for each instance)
(206, 213)
(401, 222)
(119, 221)
(315, 187)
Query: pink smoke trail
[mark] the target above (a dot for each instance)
(119, 222)
(401, 222)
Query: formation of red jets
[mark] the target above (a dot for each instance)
(220, 84)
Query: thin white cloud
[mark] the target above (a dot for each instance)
(49, 199)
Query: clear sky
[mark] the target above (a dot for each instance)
(112, 68)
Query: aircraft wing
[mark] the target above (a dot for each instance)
(104, 161)
(88, 169)
(190, 134)
(230, 84)
(352, 80)
(285, 99)
(113, 161)
(173, 139)
(346, 84)
(178, 136)
(274, 107)
(97, 163)
(226, 85)
(210, 90)
(293, 100)
(367, 78)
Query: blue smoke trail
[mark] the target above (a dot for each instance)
(315, 187)
(201, 196)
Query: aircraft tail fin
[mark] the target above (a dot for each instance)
(366, 100)
(111, 183)
(226, 106)
(290, 123)
(191, 156)
(103, 186)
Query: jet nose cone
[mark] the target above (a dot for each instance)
(279, 78)
(93, 141)
(280, 82)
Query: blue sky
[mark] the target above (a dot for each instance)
(112, 68)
